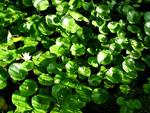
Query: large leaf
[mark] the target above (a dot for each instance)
(28, 87)
(17, 71)
(99, 96)
(40, 4)
(114, 75)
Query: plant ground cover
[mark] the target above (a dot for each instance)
(74, 56)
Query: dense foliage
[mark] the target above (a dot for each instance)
(62, 56)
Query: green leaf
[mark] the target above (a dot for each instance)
(17, 71)
(134, 104)
(51, 67)
(41, 102)
(69, 24)
(147, 28)
(146, 59)
(21, 102)
(59, 92)
(104, 57)
(85, 71)
(133, 17)
(114, 75)
(59, 50)
(102, 38)
(127, 8)
(77, 49)
(146, 41)
(71, 66)
(138, 46)
(128, 65)
(114, 27)
(147, 16)
(40, 4)
(94, 80)
(56, 2)
(77, 16)
(124, 89)
(29, 65)
(99, 96)
(133, 28)
(84, 92)
(146, 88)
(28, 87)
(27, 3)
(120, 101)
(45, 80)
(93, 61)
(125, 109)
(44, 29)
(3, 83)
(102, 9)
(52, 20)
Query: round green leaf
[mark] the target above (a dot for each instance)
(45, 80)
(3, 84)
(28, 87)
(27, 3)
(102, 38)
(147, 16)
(51, 67)
(121, 101)
(77, 49)
(93, 62)
(71, 67)
(59, 50)
(147, 28)
(128, 65)
(133, 28)
(99, 96)
(51, 20)
(94, 80)
(146, 88)
(69, 24)
(17, 71)
(114, 75)
(127, 8)
(114, 27)
(104, 57)
(133, 17)
(40, 4)
(124, 89)
(40, 101)
(85, 71)
(20, 101)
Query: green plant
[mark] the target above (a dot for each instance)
(63, 54)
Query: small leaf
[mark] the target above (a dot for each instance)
(69, 24)
(17, 71)
(45, 80)
(133, 17)
(85, 71)
(41, 102)
(114, 75)
(124, 89)
(147, 16)
(121, 101)
(147, 28)
(28, 87)
(104, 57)
(40, 4)
(99, 96)
(77, 49)
(128, 65)
(93, 62)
